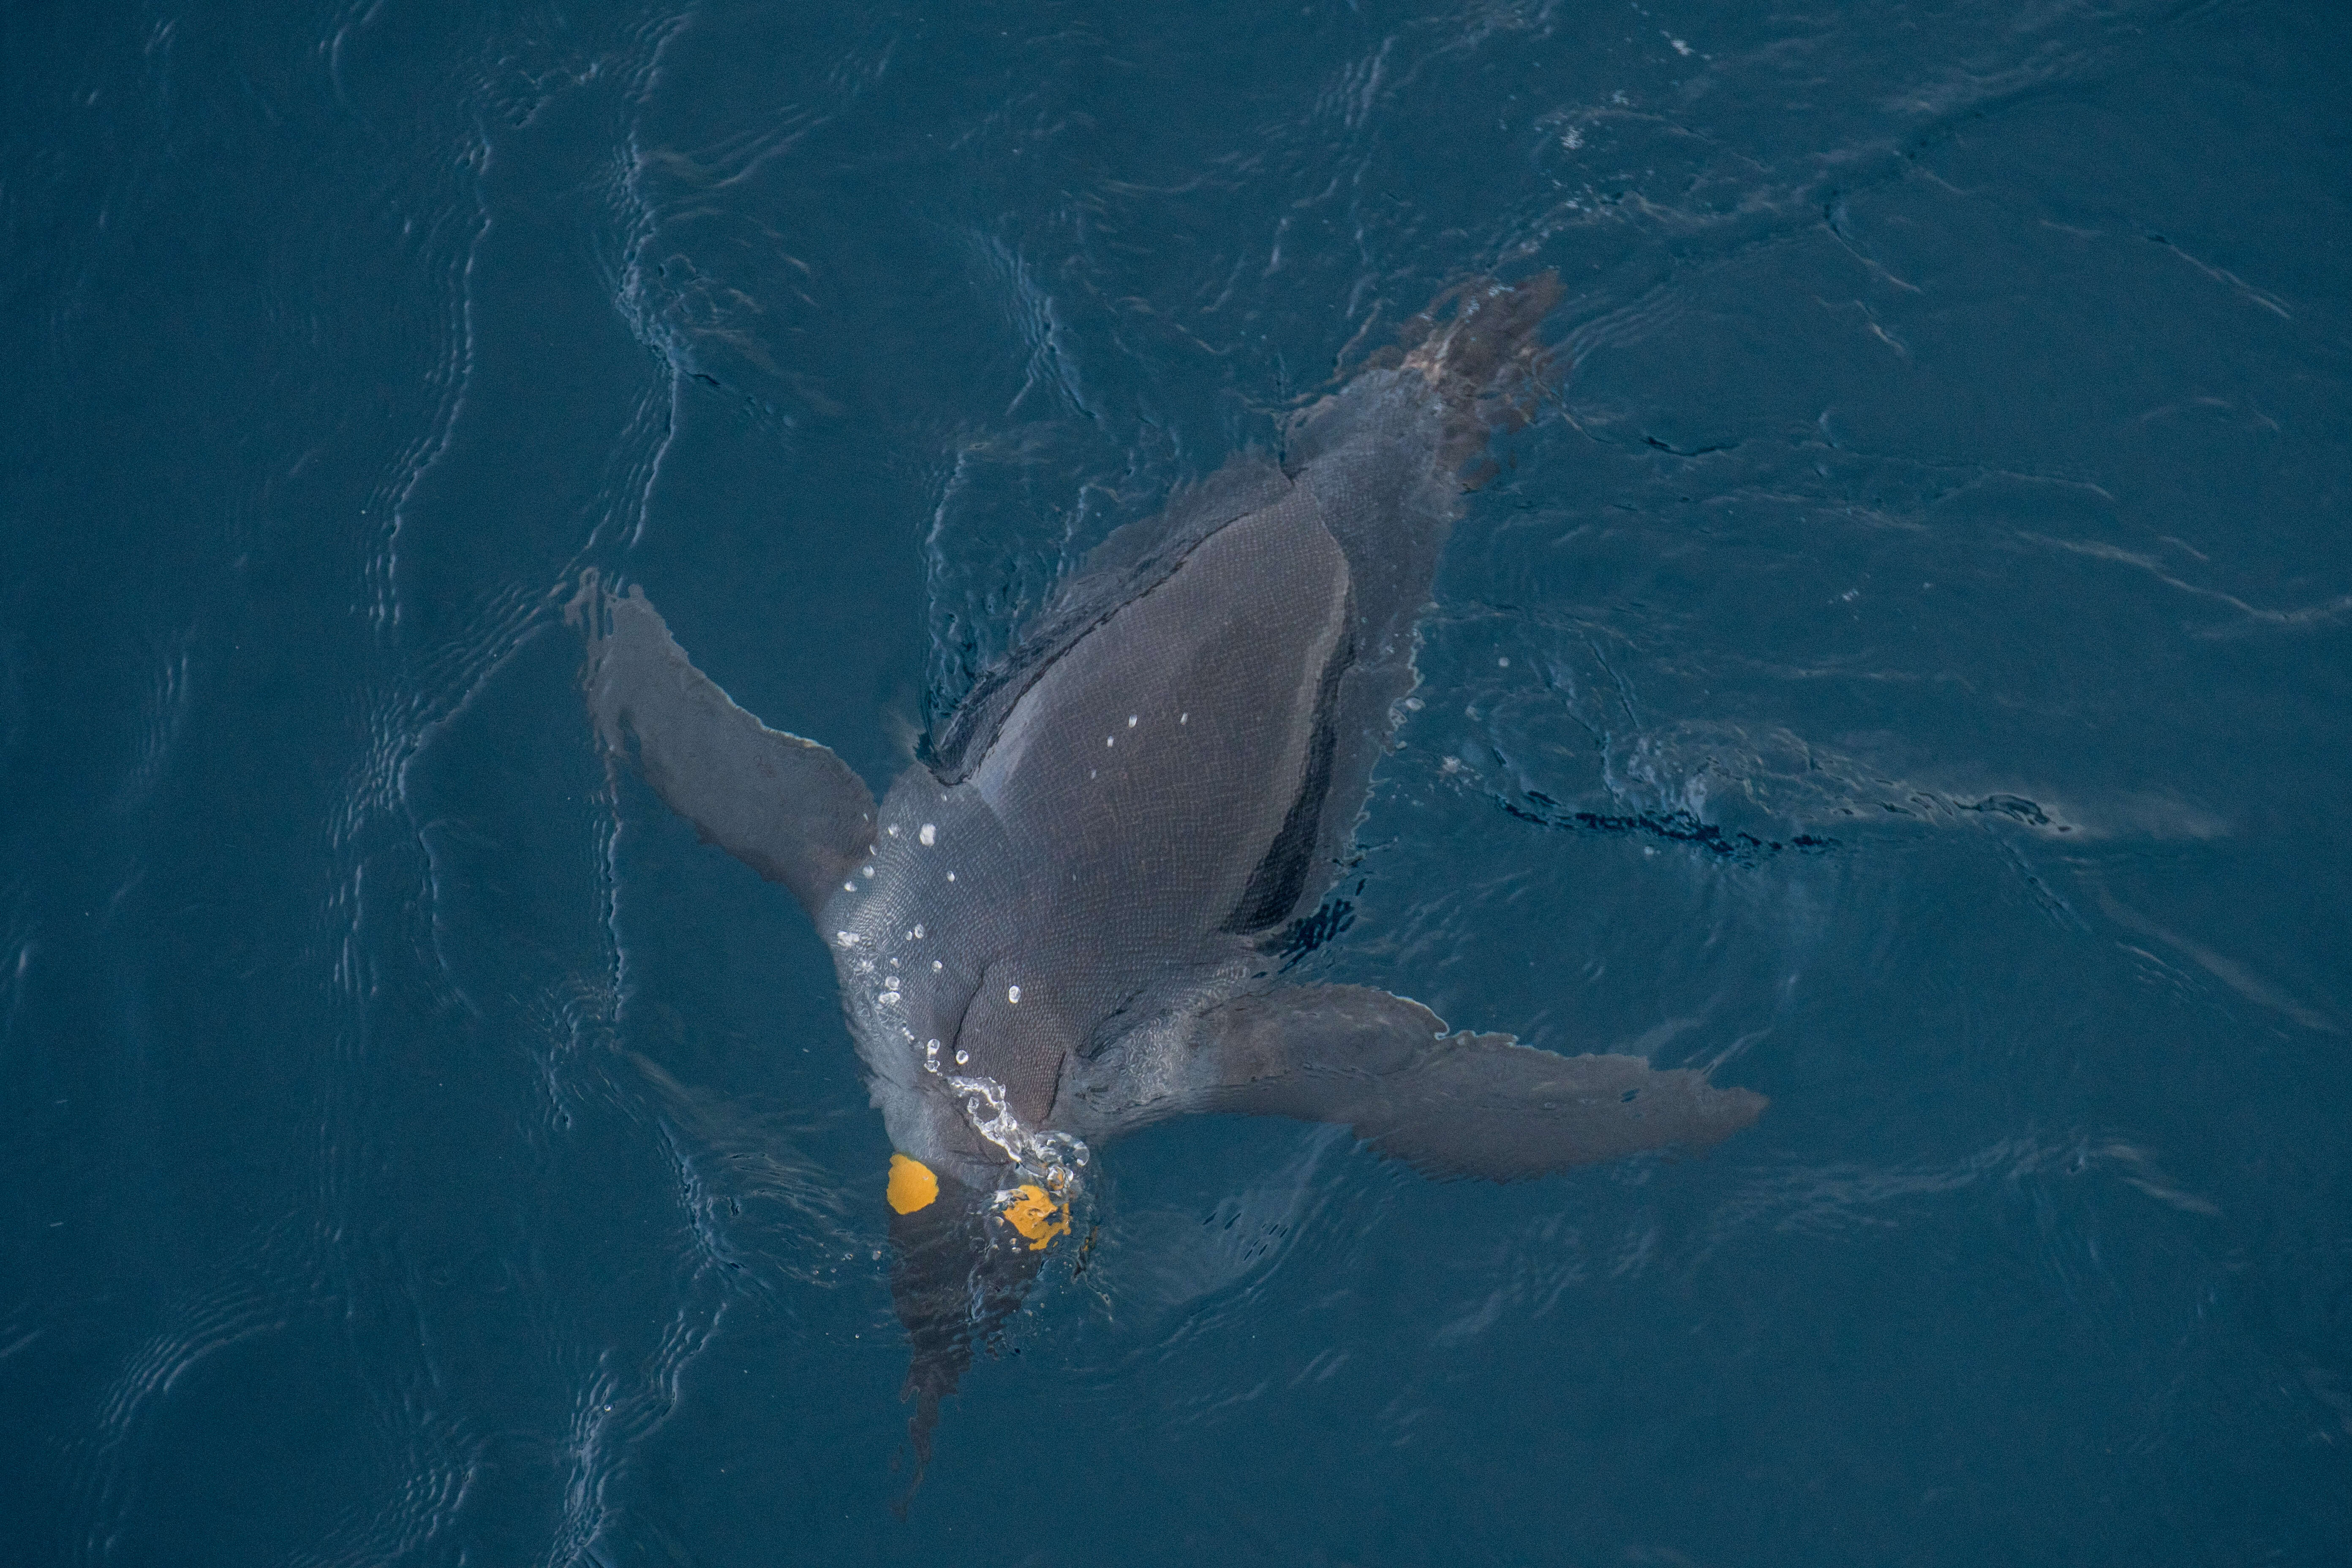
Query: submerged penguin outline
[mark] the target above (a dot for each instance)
(1061, 923)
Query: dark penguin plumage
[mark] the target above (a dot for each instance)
(1052, 930)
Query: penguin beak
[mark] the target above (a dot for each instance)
(962, 1258)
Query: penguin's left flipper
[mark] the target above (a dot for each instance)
(787, 807)
(1448, 1105)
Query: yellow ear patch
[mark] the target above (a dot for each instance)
(1036, 1215)
(912, 1185)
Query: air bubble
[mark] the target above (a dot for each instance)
(1012, 995)
(929, 833)
(964, 1058)
(918, 933)
(937, 966)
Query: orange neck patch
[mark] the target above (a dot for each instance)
(1036, 1215)
(912, 1185)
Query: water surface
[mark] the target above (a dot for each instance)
(1908, 668)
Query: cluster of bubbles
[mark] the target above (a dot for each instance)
(1051, 1160)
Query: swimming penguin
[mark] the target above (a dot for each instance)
(1062, 922)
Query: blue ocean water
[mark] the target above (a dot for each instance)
(1906, 667)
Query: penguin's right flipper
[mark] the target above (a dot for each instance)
(1448, 1105)
(788, 808)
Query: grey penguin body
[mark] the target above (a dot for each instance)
(1055, 927)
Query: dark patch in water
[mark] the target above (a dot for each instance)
(1308, 932)
(1674, 826)
(2017, 808)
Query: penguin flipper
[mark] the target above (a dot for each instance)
(787, 807)
(1448, 1105)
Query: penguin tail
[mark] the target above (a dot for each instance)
(1477, 343)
